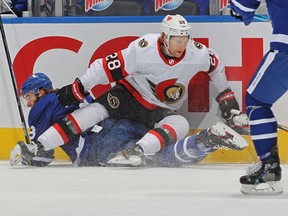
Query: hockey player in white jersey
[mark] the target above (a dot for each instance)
(152, 77)
(267, 85)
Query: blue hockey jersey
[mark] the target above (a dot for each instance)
(278, 14)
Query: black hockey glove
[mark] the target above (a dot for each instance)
(227, 102)
(235, 15)
(72, 94)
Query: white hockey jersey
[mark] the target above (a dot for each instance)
(154, 80)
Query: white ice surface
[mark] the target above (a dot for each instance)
(201, 190)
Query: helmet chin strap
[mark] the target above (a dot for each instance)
(165, 48)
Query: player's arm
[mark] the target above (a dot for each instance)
(226, 99)
(244, 9)
(110, 69)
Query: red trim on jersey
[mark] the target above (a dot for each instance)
(137, 96)
(107, 71)
(159, 137)
(75, 124)
(121, 58)
(168, 61)
(61, 133)
(171, 130)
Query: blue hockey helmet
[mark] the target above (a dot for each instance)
(35, 82)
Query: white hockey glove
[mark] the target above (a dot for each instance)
(239, 122)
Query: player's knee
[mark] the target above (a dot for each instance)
(256, 107)
(179, 124)
(184, 127)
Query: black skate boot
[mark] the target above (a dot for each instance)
(264, 177)
(131, 157)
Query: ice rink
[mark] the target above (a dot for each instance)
(201, 190)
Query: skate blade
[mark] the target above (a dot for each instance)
(238, 141)
(120, 160)
(263, 189)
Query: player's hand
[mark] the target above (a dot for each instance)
(239, 122)
(227, 102)
(235, 15)
(72, 94)
(246, 17)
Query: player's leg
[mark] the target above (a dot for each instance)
(167, 131)
(268, 84)
(192, 149)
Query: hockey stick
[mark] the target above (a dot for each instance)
(14, 81)
(282, 127)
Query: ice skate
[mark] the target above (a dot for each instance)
(23, 153)
(131, 157)
(263, 178)
(221, 136)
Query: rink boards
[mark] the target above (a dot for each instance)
(64, 47)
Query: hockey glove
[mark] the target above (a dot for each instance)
(239, 122)
(235, 15)
(227, 102)
(72, 94)
(246, 17)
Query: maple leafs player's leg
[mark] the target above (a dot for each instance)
(192, 149)
(264, 178)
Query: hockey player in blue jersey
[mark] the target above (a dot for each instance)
(37, 91)
(97, 145)
(266, 86)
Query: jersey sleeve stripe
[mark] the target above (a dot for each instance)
(114, 67)
(107, 71)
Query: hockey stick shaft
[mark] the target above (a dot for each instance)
(14, 81)
(282, 127)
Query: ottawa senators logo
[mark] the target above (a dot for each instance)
(168, 91)
(113, 101)
(143, 43)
